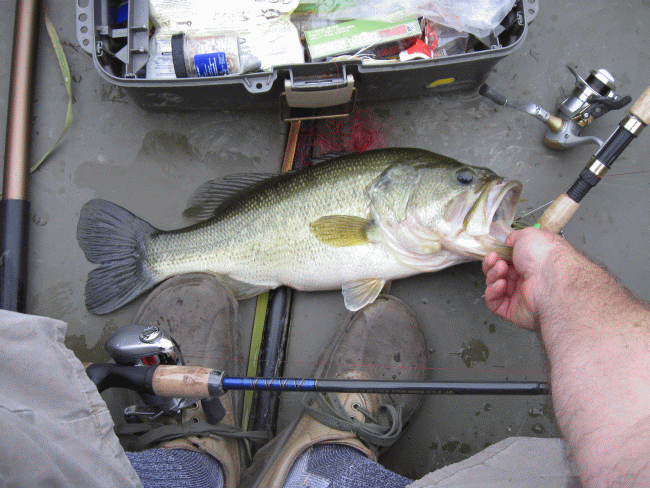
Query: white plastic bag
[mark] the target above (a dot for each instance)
(478, 17)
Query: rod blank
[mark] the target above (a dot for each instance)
(396, 387)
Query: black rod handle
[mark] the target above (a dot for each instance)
(14, 236)
(109, 375)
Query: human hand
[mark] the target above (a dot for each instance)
(515, 291)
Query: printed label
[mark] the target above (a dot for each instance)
(160, 67)
(212, 64)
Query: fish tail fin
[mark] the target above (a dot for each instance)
(116, 239)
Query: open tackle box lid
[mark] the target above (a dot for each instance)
(120, 49)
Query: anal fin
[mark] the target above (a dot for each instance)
(240, 289)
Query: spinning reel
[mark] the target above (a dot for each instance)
(591, 98)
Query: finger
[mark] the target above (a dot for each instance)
(489, 261)
(518, 235)
(512, 238)
(513, 280)
(495, 298)
(497, 272)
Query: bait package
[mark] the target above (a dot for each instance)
(205, 55)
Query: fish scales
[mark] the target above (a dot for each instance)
(353, 222)
(244, 241)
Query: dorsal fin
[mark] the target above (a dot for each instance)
(330, 155)
(210, 195)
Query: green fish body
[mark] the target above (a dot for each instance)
(352, 222)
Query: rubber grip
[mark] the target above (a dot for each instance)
(558, 214)
(14, 238)
(488, 92)
(641, 108)
(109, 375)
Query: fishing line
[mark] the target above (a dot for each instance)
(630, 173)
(607, 182)
(627, 183)
(533, 211)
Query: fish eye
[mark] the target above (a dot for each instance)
(465, 176)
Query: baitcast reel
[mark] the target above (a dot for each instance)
(590, 99)
(147, 345)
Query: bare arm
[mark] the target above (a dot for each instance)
(597, 338)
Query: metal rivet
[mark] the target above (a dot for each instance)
(150, 334)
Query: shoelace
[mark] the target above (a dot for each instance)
(378, 430)
(153, 433)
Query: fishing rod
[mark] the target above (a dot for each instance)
(562, 209)
(14, 206)
(199, 382)
(150, 362)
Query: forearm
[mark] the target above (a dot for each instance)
(597, 339)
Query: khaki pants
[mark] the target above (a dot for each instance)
(56, 430)
(517, 462)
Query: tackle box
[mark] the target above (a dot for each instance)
(120, 54)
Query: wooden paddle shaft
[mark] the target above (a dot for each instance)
(21, 88)
(14, 206)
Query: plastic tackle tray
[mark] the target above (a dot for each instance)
(120, 55)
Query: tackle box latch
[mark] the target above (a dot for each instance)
(326, 90)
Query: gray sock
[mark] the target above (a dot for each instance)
(337, 466)
(176, 468)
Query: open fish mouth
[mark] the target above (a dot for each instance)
(490, 218)
(503, 211)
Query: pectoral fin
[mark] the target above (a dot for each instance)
(358, 294)
(341, 230)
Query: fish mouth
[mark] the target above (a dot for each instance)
(490, 217)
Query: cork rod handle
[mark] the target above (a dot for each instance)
(558, 214)
(641, 108)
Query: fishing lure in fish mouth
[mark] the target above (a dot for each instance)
(352, 222)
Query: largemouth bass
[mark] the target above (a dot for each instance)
(353, 222)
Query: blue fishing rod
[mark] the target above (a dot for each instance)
(150, 362)
(198, 382)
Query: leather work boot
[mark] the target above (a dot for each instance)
(202, 317)
(382, 341)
